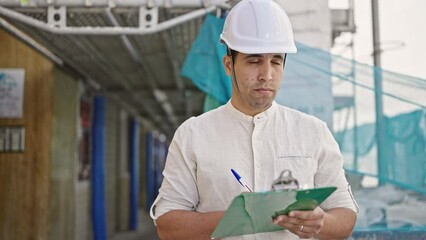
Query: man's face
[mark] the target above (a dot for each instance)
(258, 78)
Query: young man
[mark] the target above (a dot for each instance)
(255, 136)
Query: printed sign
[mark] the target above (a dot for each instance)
(11, 93)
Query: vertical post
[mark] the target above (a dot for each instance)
(355, 126)
(134, 174)
(98, 186)
(149, 170)
(382, 166)
(353, 74)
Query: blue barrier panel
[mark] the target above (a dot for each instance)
(98, 186)
(134, 174)
(150, 192)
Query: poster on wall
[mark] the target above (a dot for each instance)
(85, 134)
(11, 92)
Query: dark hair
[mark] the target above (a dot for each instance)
(231, 53)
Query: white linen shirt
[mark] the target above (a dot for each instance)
(197, 175)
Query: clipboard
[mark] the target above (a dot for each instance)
(251, 213)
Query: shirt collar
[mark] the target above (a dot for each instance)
(259, 117)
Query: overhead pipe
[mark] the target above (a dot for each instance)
(113, 3)
(159, 96)
(25, 38)
(107, 30)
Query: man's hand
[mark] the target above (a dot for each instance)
(305, 224)
(336, 223)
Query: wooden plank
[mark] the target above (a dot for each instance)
(24, 185)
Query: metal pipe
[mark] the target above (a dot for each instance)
(376, 33)
(354, 92)
(113, 3)
(383, 168)
(171, 51)
(25, 38)
(106, 30)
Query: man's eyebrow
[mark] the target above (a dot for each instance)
(253, 56)
(279, 56)
(260, 56)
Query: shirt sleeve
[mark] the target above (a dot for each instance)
(331, 173)
(178, 190)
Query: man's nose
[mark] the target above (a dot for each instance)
(265, 72)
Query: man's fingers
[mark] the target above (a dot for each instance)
(301, 223)
(287, 219)
(303, 231)
(306, 214)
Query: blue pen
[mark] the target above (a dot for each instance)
(240, 180)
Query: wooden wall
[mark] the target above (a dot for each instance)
(24, 177)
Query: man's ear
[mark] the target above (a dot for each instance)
(227, 64)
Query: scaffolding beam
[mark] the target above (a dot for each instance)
(113, 3)
(58, 29)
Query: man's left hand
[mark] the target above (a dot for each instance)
(305, 224)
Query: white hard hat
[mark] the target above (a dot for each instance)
(258, 26)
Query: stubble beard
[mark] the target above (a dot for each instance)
(260, 104)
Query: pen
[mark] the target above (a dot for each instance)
(240, 180)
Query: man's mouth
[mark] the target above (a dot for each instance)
(263, 90)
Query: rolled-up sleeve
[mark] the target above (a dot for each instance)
(331, 173)
(178, 190)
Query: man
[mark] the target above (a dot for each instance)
(255, 136)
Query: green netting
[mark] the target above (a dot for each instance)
(203, 64)
(404, 151)
(404, 101)
(211, 103)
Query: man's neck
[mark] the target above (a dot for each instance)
(246, 109)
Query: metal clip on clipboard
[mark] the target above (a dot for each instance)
(285, 182)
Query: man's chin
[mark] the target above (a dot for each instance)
(263, 105)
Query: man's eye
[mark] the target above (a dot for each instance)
(277, 62)
(254, 61)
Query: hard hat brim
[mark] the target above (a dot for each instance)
(261, 48)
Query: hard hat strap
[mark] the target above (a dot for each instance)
(233, 73)
(285, 58)
(231, 53)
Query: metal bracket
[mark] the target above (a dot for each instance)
(206, 3)
(23, 3)
(150, 3)
(167, 3)
(111, 4)
(57, 16)
(88, 3)
(148, 17)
